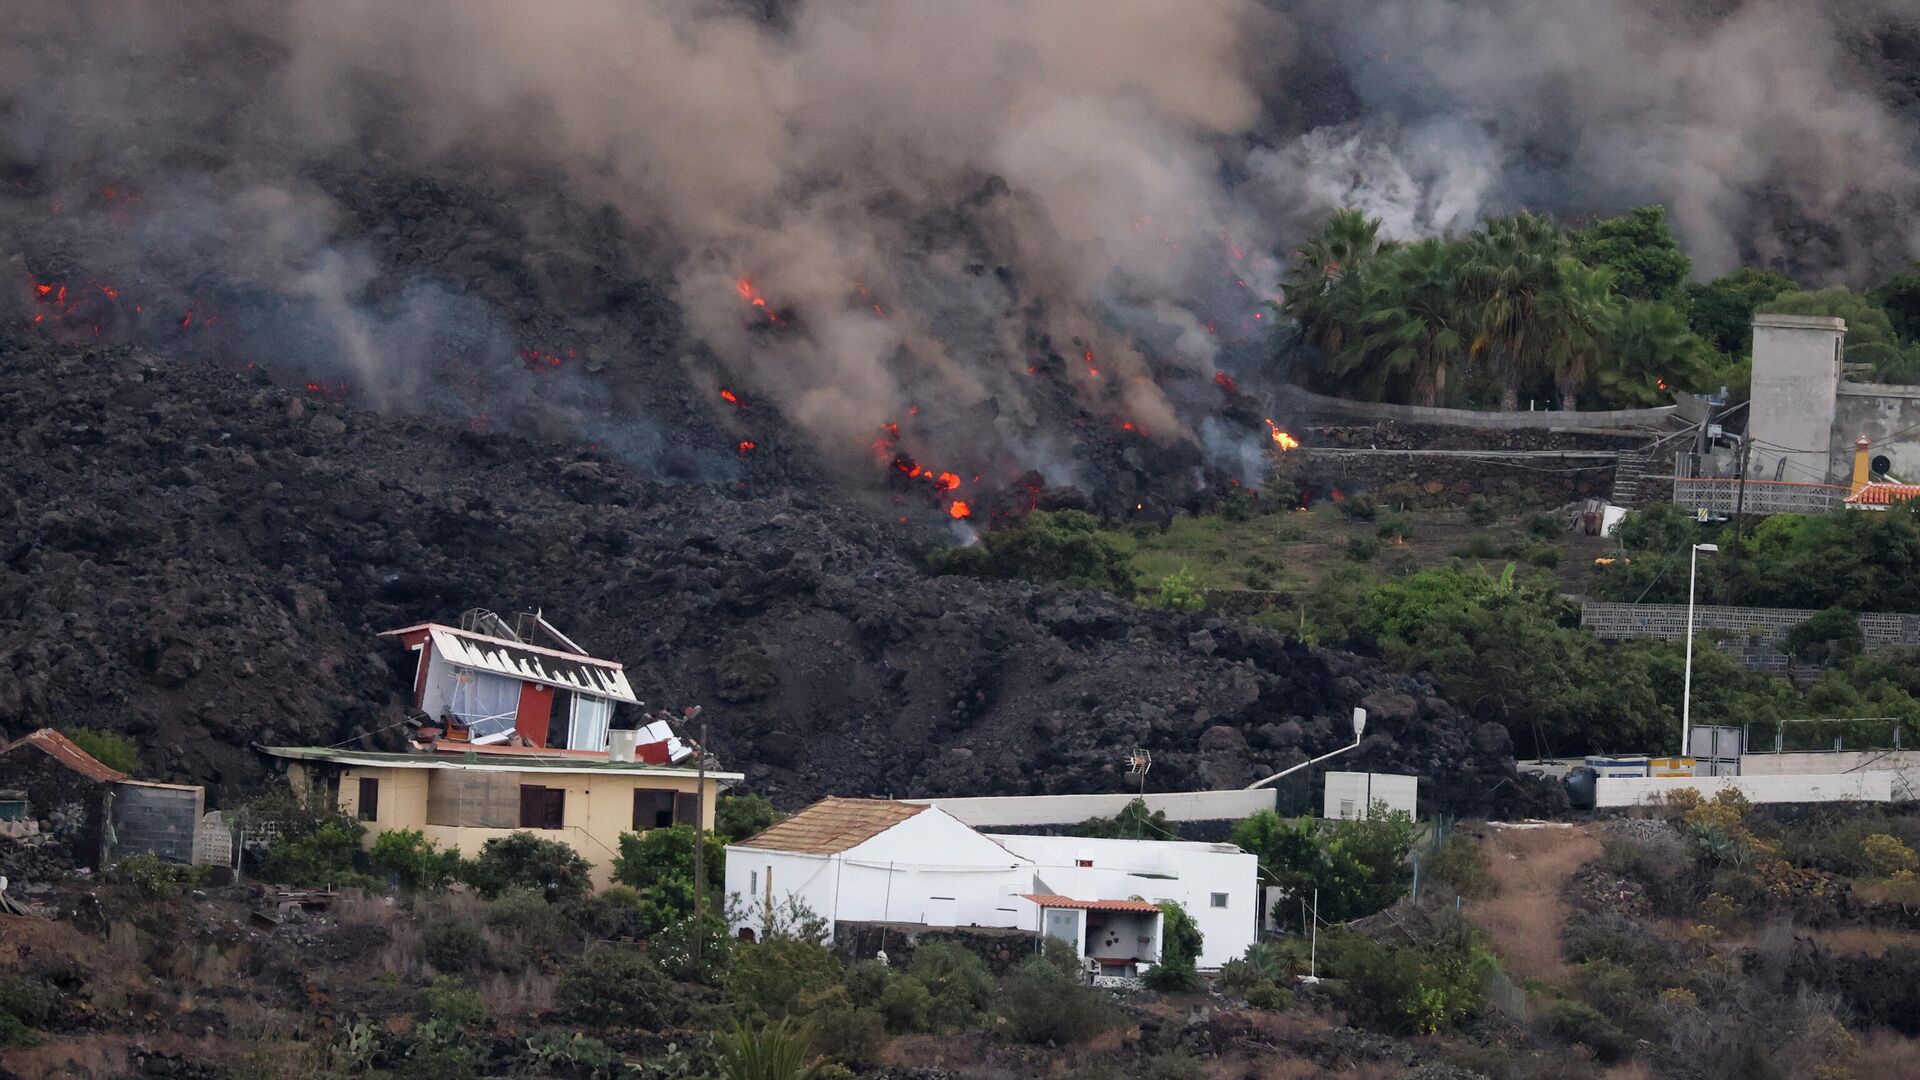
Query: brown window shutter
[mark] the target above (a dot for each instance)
(369, 798)
(686, 809)
(642, 810)
(532, 806)
(556, 808)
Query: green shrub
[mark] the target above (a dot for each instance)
(526, 923)
(907, 1005)
(412, 860)
(1067, 546)
(1263, 962)
(110, 748)
(617, 911)
(1061, 957)
(1267, 995)
(1362, 548)
(526, 860)
(736, 817)
(1578, 1023)
(1546, 556)
(148, 876)
(1461, 866)
(1412, 989)
(612, 986)
(433, 1058)
(552, 1052)
(659, 863)
(1042, 1005)
(780, 976)
(25, 1004)
(1172, 1065)
(1178, 591)
(672, 948)
(453, 1001)
(1481, 512)
(1357, 508)
(1888, 855)
(958, 981)
(453, 942)
(1179, 951)
(1478, 546)
(1833, 634)
(321, 856)
(867, 980)
(780, 1051)
(852, 1036)
(1395, 527)
(1546, 526)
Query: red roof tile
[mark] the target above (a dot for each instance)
(1045, 900)
(1881, 494)
(66, 752)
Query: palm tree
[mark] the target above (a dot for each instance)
(779, 1051)
(1576, 317)
(1512, 262)
(1653, 351)
(1318, 292)
(1414, 316)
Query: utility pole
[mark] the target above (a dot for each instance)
(699, 842)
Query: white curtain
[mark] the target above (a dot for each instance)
(486, 702)
(591, 716)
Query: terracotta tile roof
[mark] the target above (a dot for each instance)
(66, 752)
(833, 825)
(1045, 900)
(1882, 494)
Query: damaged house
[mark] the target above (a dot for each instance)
(53, 792)
(516, 729)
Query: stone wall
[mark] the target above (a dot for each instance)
(1445, 466)
(1003, 948)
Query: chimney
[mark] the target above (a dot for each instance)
(1862, 471)
(620, 745)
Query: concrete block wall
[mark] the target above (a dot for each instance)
(161, 820)
(1624, 622)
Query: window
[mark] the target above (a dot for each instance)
(369, 799)
(542, 807)
(1346, 809)
(1220, 899)
(686, 809)
(1083, 862)
(652, 810)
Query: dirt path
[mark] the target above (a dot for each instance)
(1522, 921)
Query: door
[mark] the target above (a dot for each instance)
(588, 731)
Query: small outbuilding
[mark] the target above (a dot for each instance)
(49, 786)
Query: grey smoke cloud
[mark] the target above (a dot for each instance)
(1111, 156)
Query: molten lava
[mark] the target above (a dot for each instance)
(1225, 382)
(1280, 438)
(752, 296)
(731, 398)
(958, 509)
(748, 444)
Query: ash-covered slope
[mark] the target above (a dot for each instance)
(201, 558)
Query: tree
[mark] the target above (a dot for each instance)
(1414, 322)
(412, 860)
(1322, 286)
(1512, 261)
(1721, 310)
(1067, 546)
(737, 817)
(1577, 318)
(1358, 867)
(659, 863)
(1133, 822)
(526, 860)
(1653, 353)
(1900, 297)
(1640, 251)
(1833, 634)
(1180, 945)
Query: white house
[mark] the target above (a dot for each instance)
(874, 860)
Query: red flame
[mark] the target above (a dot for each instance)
(1088, 357)
(959, 510)
(752, 296)
(748, 444)
(730, 397)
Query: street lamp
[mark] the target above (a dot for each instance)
(1359, 725)
(1686, 683)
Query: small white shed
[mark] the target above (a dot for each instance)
(1352, 796)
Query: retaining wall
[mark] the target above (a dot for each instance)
(1422, 414)
(1807, 788)
(995, 811)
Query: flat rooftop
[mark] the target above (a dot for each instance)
(494, 760)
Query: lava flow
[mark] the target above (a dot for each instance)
(940, 485)
(1280, 438)
(752, 296)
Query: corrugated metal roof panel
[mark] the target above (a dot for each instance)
(66, 752)
(601, 678)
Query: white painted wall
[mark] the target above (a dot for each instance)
(1187, 873)
(1904, 765)
(1002, 811)
(1352, 795)
(1818, 787)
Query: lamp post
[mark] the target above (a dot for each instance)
(1359, 725)
(1686, 683)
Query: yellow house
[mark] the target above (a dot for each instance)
(462, 799)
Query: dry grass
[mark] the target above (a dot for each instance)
(1524, 918)
(1883, 1055)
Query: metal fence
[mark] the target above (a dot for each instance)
(1723, 495)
